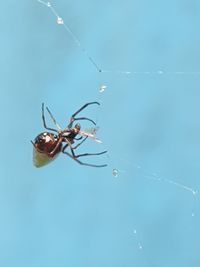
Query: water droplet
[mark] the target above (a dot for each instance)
(135, 231)
(60, 20)
(102, 88)
(140, 246)
(115, 173)
(194, 192)
(48, 4)
(193, 214)
(160, 72)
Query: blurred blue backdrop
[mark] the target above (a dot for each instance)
(68, 215)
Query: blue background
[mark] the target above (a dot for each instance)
(68, 215)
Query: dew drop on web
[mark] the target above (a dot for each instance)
(102, 88)
(115, 173)
(60, 20)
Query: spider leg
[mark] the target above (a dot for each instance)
(33, 144)
(65, 146)
(54, 120)
(83, 107)
(90, 154)
(78, 138)
(82, 163)
(56, 147)
(74, 157)
(44, 121)
(75, 147)
(81, 118)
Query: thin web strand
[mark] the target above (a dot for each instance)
(158, 178)
(74, 37)
(140, 247)
(94, 63)
(169, 181)
(155, 177)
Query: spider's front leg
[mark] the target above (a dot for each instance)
(81, 118)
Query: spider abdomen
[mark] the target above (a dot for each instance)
(44, 146)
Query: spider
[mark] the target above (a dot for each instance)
(47, 145)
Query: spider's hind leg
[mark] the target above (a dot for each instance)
(90, 154)
(75, 157)
(83, 163)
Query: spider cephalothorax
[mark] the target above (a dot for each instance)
(46, 146)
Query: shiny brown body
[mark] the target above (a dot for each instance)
(48, 145)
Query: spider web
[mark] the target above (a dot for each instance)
(121, 167)
(60, 21)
